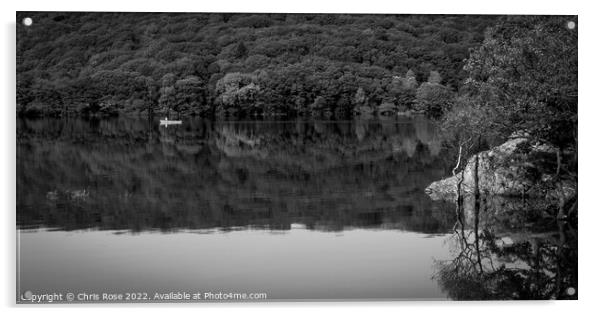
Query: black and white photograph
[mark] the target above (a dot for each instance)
(236, 157)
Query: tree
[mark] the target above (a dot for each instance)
(241, 50)
(152, 95)
(433, 98)
(523, 81)
(167, 99)
(318, 105)
(305, 56)
(237, 91)
(190, 95)
(402, 90)
(524, 78)
(360, 97)
(434, 77)
(409, 81)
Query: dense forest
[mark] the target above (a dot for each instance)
(242, 65)
(483, 76)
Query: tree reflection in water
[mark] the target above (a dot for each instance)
(129, 174)
(530, 255)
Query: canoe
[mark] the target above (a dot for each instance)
(170, 122)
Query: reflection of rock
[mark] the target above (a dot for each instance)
(522, 266)
(504, 170)
(505, 215)
(514, 251)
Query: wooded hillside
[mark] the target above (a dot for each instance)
(240, 64)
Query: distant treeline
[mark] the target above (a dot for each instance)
(241, 64)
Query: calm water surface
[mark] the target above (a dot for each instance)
(298, 210)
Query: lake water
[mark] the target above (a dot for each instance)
(297, 210)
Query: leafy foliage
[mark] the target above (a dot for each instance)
(524, 78)
(70, 61)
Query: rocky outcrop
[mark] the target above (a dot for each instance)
(514, 168)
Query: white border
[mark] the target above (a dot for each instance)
(315, 6)
(590, 113)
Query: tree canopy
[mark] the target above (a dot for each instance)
(523, 78)
(68, 61)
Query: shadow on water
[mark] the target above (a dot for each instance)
(505, 248)
(131, 174)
